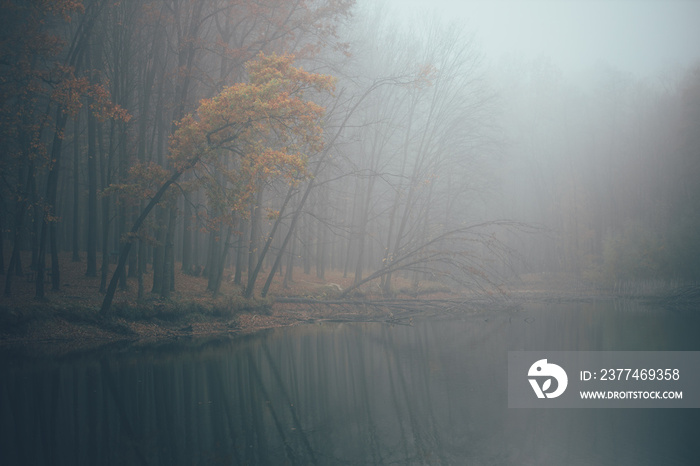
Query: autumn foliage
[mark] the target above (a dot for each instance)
(266, 125)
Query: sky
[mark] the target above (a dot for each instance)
(644, 37)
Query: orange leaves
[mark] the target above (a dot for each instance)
(278, 70)
(144, 180)
(103, 106)
(64, 8)
(149, 176)
(272, 214)
(265, 125)
(69, 93)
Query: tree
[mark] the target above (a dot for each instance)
(267, 124)
(40, 61)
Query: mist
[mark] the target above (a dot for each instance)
(349, 232)
(462, 144)
(596, 103)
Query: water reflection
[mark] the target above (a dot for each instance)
(434, 393)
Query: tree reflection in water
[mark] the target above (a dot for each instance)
(434, 393)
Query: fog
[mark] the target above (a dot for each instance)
(646, 38)
(402, 192)
(596, 107)
(460, 144)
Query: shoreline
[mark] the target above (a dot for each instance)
(68, 321)
(62, 333)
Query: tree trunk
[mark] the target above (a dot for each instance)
(240, 248)
(289, 272)
(124, 252)
(252, 276)
(48, 217)
(255, 214)
(306, 240)
(295, 219)
(76, 190)
(55, 269)
(91, 243)
(322, 236)
(219, 272)
(187, 238)
(122, 202)
(168, 284)
(213, 254)
(15, 265)
(159, 250)
(133, 258)
(105, 180)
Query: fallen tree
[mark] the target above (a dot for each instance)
(472, 256)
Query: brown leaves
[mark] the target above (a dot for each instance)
(35, 71)
(70, 93)
(267, 125)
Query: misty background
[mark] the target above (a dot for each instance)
(591, 133)
(365, 180)
(599, 112)
(466, 143)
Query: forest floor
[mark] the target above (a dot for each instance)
(68, 320)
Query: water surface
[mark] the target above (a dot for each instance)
(345, 393)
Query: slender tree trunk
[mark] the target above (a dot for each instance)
(76, 190)
(133, 258)
(306, 240)
(186, 55)
(15, 266)
(219, 273)
(386, 279)
(289, 272)
(211, 252)
(55, 268)
(322, 236)
(295, 218)
(240, 253)
(124, 252)
(196, 240)
(168, 284)
(252, 276)
(255, 214)
(141, 265)
(92, 220)
(105, 180)
(122, 202)
(352, 223)
(214, 253)
(34, 227)
(187, 238)
(149, 80)
(91, 243)
(159, 250)
(362, 230)
(48, 217)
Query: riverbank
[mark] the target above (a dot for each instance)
(44, 330)
(68, 321)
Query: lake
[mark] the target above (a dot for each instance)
(434, 392)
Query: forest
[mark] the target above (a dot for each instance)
(248, 141)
